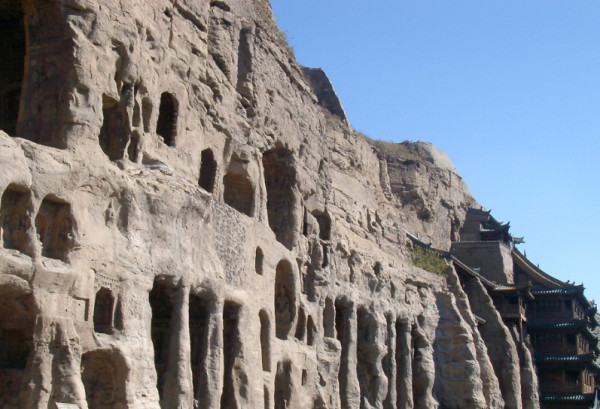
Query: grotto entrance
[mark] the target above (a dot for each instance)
(12, 56)
(16, 340)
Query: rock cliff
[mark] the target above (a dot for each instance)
(188, 220)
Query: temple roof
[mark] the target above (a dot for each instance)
(569, 360)
(462, 267)
(535, 272)
(567, 397)
(514, 288)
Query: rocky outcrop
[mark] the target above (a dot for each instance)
(183, 225)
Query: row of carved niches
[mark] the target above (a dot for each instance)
(53, 226)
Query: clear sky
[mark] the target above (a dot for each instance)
(510, 90)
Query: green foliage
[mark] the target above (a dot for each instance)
(428, 260)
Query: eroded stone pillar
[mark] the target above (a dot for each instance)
(177, 386)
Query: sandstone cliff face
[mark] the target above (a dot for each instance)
(183, 225)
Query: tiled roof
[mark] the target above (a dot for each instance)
(567, 397)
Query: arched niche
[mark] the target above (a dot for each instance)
(54, 225)
(15, 210)
(162, 306)
(103, 377)
(104, 311)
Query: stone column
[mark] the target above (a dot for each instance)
(404, 373)
(177, 389)
(352, 388)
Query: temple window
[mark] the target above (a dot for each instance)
(54, 227)
(280, 181)
(208, 170)
(166, 125)
(12, 67)
(285, 299)
(15, 210)
(103, 311)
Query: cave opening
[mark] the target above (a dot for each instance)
(12, 63)
(102, 380)
(342, 328)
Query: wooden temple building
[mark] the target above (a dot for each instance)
(552, 318)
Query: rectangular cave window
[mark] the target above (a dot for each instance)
(166, 124)
(161, 303)
(12, 66)
(54, 225)
(231, 351)
(283, 385)
(285, 299)
(104, 311)
(15, 208)
(280, 181)
(198, 324)
(208, 170)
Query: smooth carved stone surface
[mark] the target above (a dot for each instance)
(185, 224)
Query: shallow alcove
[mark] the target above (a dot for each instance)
(54, 226)
(208, 170)
(104, 311)
(329, 318)
(301, 325)
(265, 339)
(12, 56)
(103, 380)
(16, 341)
(280, 181)
(166, 125)
(231, 351)
(198, 323)
(238, 191)
(161, 303)
(311, 330)
(283, 385)
(285, 299)
(113, 133)
(15, 209)
(259, 259)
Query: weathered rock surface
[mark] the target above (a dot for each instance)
(183, 225)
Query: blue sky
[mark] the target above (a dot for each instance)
(510, 90)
